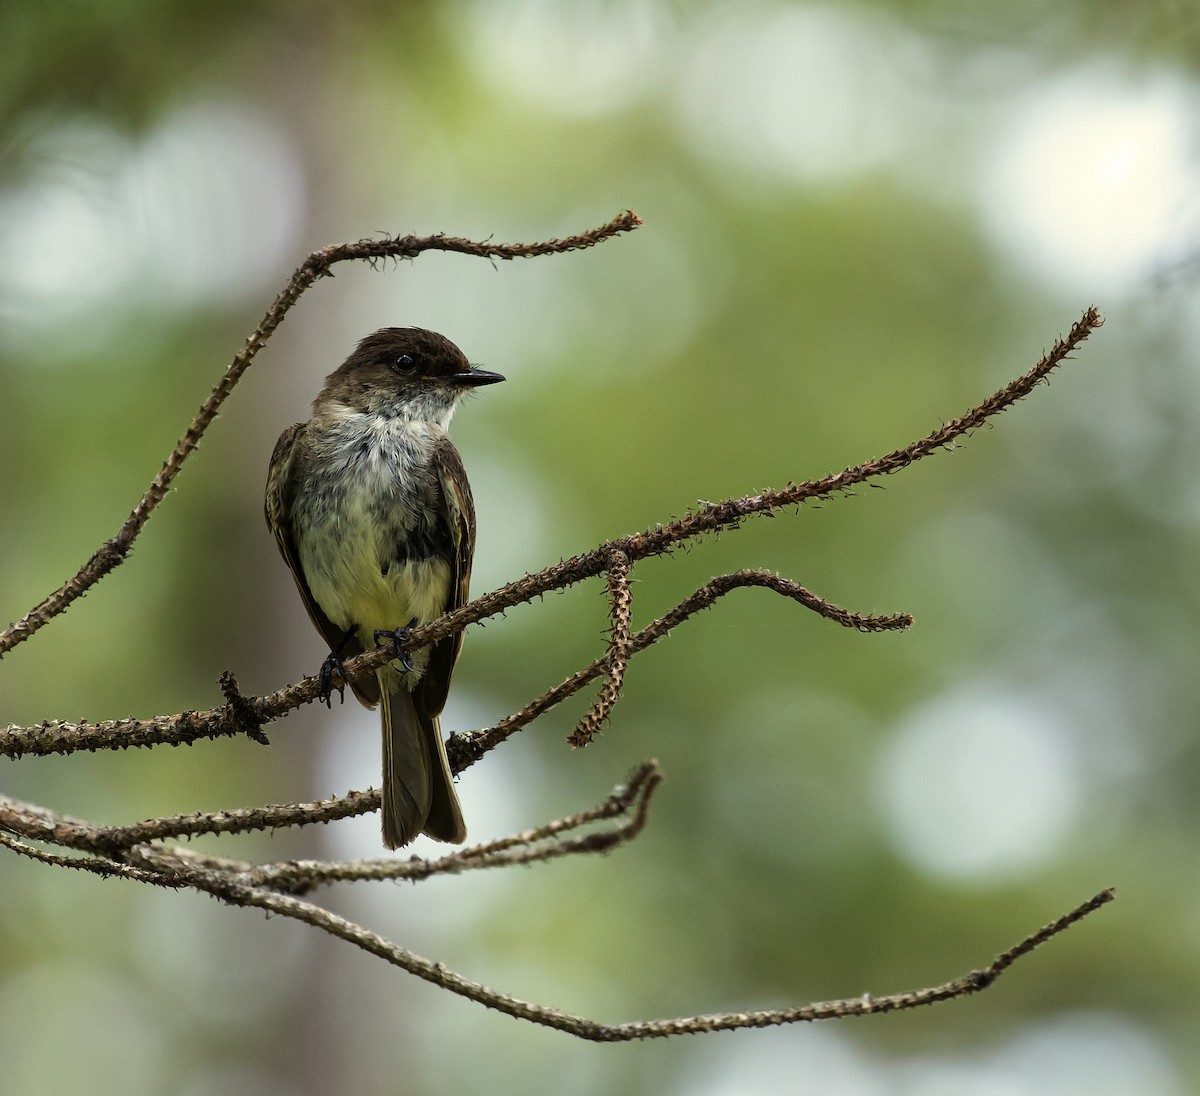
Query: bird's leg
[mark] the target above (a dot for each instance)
(395, 637)
(325, 675)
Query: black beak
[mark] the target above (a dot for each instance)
(477, 377)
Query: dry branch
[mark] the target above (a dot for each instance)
(318, 265)
(615, 661)
(246, 715)
(592, 1030)
(59, 737)
(136, 851)
(275, 888)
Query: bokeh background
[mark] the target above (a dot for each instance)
(861, 218)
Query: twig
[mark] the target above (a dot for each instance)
(113, 552)
(621, 597)
(179, 868)
(594, 1031)
(95, 864)
(466, 749)
(59, 737)
(712, 518)
(39, 824)
(62, 737)
(629, 803)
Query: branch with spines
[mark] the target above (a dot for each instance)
(318, 265)
(627, 807)
(247, 715)
(582, 1027)
(243, 715)
(135, 852)
(276, 889)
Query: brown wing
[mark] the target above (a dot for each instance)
(281, 489)
(459, 511)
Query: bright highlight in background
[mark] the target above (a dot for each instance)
(782, 93)
(980, 783)
(203, 210)
(1096, 183)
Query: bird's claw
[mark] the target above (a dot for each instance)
(395, 638)
(325, 686)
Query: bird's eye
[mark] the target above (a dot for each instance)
(405, 361)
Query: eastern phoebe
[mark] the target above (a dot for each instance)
(371, 508)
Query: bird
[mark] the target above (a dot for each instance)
(372, 511)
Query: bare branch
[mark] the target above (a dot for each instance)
(466, 749)
(713, 518)
(730, 513)
(134, 852)
(40, 824)
(113, 552)
(273, 888)
(59, 736)
(584, 1028)
(629, 803)
(94, 864)
(618, 651)
(62, 737)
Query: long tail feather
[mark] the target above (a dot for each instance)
(418, 793)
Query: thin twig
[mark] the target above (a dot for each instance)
(658, 541)
(466, 749)
(62, 737)
(97, 865)
(113, 552)
(39, 824)
(621, 599)
(629, 803)
(178, 868)
(708, 519)
(592, 1030)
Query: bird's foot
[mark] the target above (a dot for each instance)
(325, 686)
(395, 637)
(332, 665)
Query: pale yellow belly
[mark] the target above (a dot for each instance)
(353, 592)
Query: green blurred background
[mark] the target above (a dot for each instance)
(861, 218)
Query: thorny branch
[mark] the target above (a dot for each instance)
(594, 1031)
(55, 736)
(276, 889)
(318, 265)
(136, 852)
(618, 650)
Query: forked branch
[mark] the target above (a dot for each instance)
(319, 264)
(136, 851)
(276, 889)
(243, 715)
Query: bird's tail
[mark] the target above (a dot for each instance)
(418, 792)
